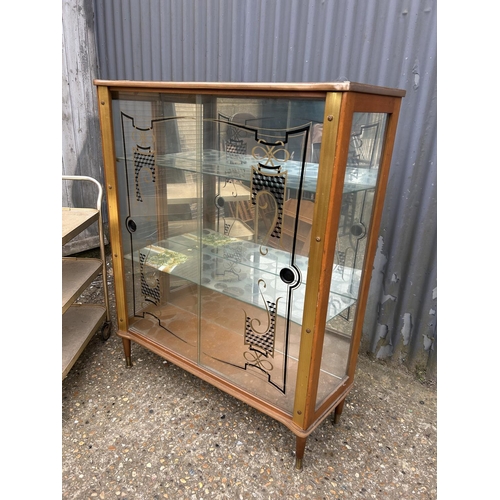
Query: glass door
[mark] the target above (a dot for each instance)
(217, 219)
(160, 200)
(259, 185)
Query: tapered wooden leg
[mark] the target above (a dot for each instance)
(127, 348)
(300, 447)
(338, 412)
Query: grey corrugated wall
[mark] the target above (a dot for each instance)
(382, 42)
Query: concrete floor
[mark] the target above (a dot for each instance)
(154, 431)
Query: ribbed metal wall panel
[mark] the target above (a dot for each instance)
(381, 42)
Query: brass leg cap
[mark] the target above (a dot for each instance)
(128, 362)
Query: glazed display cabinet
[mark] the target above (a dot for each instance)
(243, 223)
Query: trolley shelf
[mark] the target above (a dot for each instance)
(79, 324)
(75, 220)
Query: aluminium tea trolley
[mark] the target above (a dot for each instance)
(81, 321)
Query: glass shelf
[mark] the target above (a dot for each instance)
(235, 268)
(239, 167)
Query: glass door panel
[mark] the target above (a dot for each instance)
(159, 203)
(260, 181)
(365, 149)
(216, 226)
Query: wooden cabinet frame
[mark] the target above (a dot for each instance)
(342, 101)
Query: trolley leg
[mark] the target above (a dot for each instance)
(338, 412)
(300, 447)
(127, 348)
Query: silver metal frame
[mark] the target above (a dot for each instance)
(101, 234)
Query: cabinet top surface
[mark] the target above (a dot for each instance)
(341, 86)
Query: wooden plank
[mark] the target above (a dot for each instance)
(111, 188)
(330, 184)
(81, 147)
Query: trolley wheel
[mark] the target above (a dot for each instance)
(106, 331)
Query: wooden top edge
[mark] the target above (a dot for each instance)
(344, 86)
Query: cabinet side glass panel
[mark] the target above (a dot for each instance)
(156, 203)
(365, 148)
